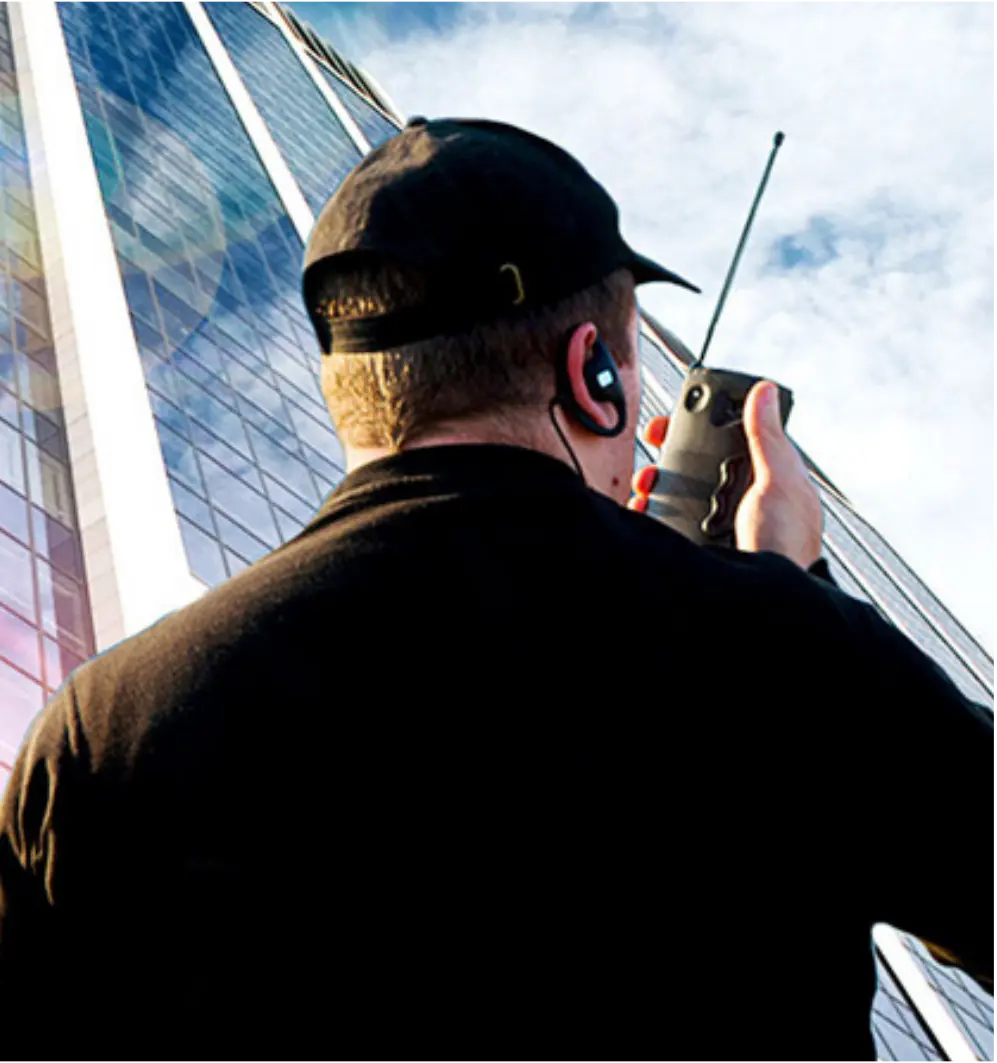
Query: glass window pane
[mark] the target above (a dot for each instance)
(203, 553)
(306, 130)
(48, 483)
(236, 463)
(46, 433)
(11, 458)
(239, 540)
(21, 699)
(59, 662)
(179, 457)
(58, 543)
(30, 305)
(15, 577)
(243, 504)
(374, 126)
(63, 608)
(19, 643)
(285, 469)
(187, 503)
(289, 526)
(318, 435)
(13, 514)
(38, 387)
(235, 563)
(326, 474)
(280, 496)
(8, 407)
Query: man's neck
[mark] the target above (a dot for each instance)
(358, 456)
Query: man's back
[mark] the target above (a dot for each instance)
(395, 788)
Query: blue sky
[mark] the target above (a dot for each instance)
(868, 284)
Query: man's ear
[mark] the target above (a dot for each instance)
(579, 351)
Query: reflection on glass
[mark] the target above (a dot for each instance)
(15, 577)
(233, 497)
(898, 607)
(22, 699)
(238, 539)
(19, 643)
(13, 514)
(374, 125)
(48, 483)
(8, 407)
(179, 457)
(238, 464)
(307, 132)
(302, 512)
(210, 263)
(204, 554)
(58, 543)
(63, 607)
(11, 457)
(33, 450)
(971, 1006)
(59, 662)
(871, 541)
(187, 503)
(897, 1031)
(285, 469)
(235, 563)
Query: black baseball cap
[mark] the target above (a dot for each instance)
(496, 219)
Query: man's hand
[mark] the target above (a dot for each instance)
(781, 510)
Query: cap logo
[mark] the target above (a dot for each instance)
(520, 292)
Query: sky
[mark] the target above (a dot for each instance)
(867, 285)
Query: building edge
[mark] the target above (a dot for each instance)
(271, 160)
(353, 131)
(927, 1003)
(134, 558)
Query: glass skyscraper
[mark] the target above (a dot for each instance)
(161, 424)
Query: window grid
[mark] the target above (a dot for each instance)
(373, 124)
(311, 138)
(897, 1031)
(926, 602)
(970, 1005)
(902, 613)
(210, 265)
(45, 623)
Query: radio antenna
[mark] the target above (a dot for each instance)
(776, 144)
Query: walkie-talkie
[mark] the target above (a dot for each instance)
(704, 468)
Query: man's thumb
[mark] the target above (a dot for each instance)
(763, 426)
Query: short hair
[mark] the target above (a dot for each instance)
(498, 369)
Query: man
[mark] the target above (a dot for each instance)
(484, 764)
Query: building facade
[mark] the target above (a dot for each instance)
(161, 424)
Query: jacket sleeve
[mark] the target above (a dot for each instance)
(931, 755)
(36, 965)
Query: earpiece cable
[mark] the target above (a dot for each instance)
(564, 439)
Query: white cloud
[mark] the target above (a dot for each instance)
(888, 111)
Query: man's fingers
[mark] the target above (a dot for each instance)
(764, 432)
(643, 480)
(657, 429)
(642, 485)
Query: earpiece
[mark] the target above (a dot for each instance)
(604, 385)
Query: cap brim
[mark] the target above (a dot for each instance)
(645, 270)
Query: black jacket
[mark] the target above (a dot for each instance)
(480, 766)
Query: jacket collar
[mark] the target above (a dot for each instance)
(461, 469)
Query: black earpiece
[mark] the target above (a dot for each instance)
(604, 385)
